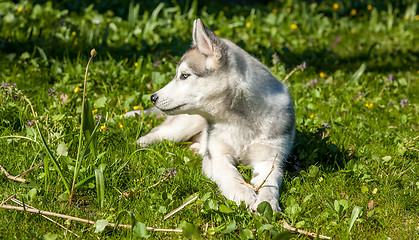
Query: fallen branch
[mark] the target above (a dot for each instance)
(13, 177)
(293, 229)
(48, 218)
(10, 207)
(179, 208)
(30, 170)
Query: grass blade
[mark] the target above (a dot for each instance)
(54, 160)
(100, 187)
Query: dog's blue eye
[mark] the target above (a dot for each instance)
(184, 76)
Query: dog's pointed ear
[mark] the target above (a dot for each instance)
(206, 41)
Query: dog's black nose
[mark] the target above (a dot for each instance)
(154, 98)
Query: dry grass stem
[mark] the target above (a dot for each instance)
(30, 170)
(5, 201)
(23, 137)
(10, 207)
(18, 179)
(180, 208)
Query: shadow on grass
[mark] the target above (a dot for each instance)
(315, 149)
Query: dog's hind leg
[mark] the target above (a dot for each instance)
(179, 128)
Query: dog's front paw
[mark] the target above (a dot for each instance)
(143, 141)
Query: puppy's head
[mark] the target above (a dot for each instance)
(197, 81)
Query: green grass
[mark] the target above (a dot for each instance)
(355, 148)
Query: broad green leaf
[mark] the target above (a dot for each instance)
(230, 227)
(364, 189)
(121, 215)
(246, 234)
(300, 224)
(355, 213)
(211, 204)
(50, 236)
(100, 225)
(140, 230)
(62, 149)
(100, 102)
(265, 209)
(265, 227)
(225, 209)
(189, 231)
(32, 193)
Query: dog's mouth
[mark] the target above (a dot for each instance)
(169, 110)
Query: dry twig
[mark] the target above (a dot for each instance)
(293, 229)
(256, 189)
(180, 208)
(30, 207)
(10, 207)
(13, 177)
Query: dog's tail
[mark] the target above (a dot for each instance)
(149, 111)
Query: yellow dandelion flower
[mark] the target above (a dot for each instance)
(19, 9)
(93, 52)
(369, 7)
(312, 115)
(73, 33)
(368, 105)
(136, 107)
(374, 191)
(94, 111)
(417, 17)
(103, 128)
(76, 89)
(216, 32)
(294, 26)
(353, 12)
(248, 24)
(322, 75)
(136, 64)
(335, 6)
(122, 116)
(274, 11)
(120, 125)
(125, 110)
(50, 106)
